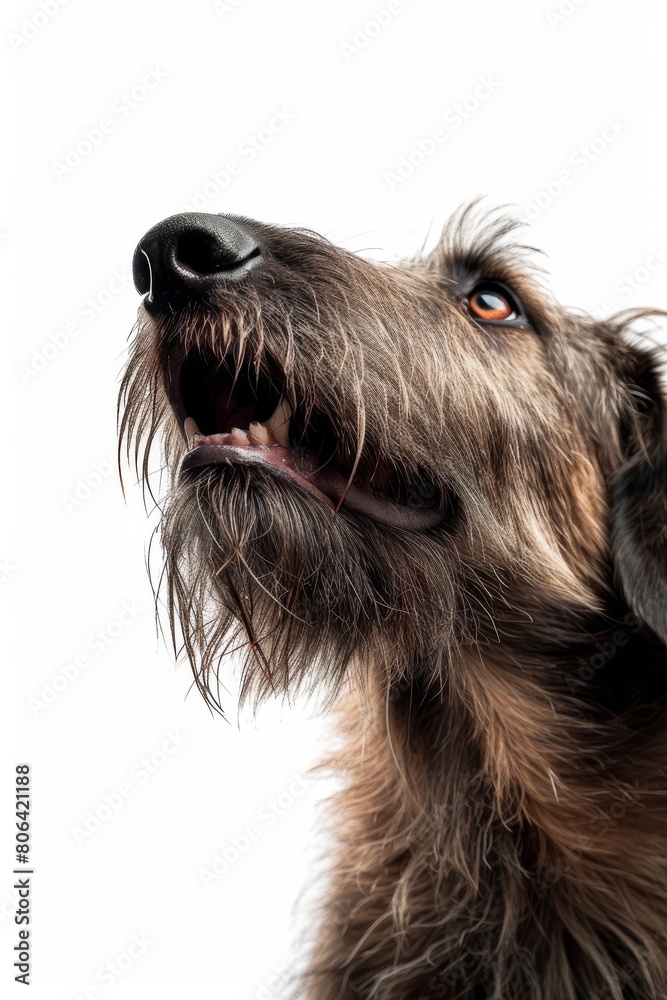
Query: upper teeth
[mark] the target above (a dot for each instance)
(278, 423)
(259, 433)
(275, 430)
(191, 430)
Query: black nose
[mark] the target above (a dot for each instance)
(189, 254)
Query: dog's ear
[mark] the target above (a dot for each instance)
(639, 500)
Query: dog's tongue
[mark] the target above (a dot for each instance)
(301, 465)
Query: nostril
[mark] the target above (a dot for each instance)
(141, 271)
(189, 255)
(205, 253)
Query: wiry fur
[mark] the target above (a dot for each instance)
(503, 832)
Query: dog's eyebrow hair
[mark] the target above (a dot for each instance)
(493, 257)
(485, 243)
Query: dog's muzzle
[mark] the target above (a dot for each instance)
(227, 415)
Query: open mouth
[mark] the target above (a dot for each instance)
(233, 415)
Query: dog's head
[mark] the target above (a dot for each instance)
(380, 463)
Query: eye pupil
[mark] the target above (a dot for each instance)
(491, 304)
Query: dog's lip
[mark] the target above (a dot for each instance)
(219, 449)
(324, 482)
(296, 465)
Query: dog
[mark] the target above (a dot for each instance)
(438, 498)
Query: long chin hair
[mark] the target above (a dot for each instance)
(256, 566)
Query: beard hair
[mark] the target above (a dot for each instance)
(256, 565)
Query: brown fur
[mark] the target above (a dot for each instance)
(501, 679)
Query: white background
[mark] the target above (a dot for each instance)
(73, 550)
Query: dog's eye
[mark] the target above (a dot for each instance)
(492, 303)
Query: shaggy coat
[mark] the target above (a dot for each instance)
(499, 667)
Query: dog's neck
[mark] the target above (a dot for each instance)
(546, 747)
(531, 722)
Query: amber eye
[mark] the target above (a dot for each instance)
(490, 302)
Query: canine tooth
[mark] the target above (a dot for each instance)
(239, 436)
(191, 429)
(258, 433)
(278, 423)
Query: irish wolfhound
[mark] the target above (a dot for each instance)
(439, 497)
